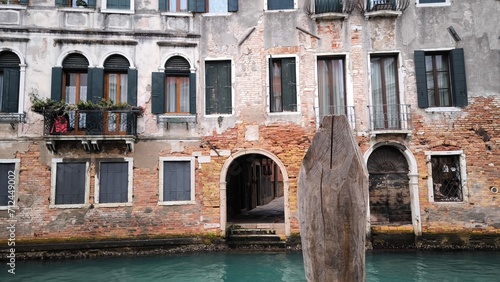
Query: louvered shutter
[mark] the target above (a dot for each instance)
(289, 85)
(158, 93)
(459, 84)
(132, 87)
(420, 75)
(56, 87)
(10, 101)
(192, 93)
(232, 5)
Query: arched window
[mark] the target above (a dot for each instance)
(9, 82)
(174, 91)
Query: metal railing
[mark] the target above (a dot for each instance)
(366, 6)
(90, 122)
(339, 110)
(390, 117)
(330, 6)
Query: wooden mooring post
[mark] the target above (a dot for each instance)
(332, 197)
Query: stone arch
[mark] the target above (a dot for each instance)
(63, 56)
(223, 186)
(166, 58)
(413, 181)
(107, 55)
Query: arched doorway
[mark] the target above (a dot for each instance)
(389, 187)
(254, 189)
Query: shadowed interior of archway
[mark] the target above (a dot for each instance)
(254, 190)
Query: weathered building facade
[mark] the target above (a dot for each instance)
(186, 114)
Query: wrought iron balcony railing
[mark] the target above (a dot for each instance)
(90, 122)
(367, 6)
(390, 117)
(339, 110)
(321, 7)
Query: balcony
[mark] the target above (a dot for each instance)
(339, 110)
(330, 9)
(382, 8)
(91, 127)
(390, 119)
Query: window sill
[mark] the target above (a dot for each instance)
(383, 13)
(430, 5)
(283, 10)
(225, 14)
(76, 9)
(329, 16)
(177, 14)
(179, 203)
(75, 206)
(116, 11)
(177, 118)
(12, 7)
(442, 109)
(112, 205)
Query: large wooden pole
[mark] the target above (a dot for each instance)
(332, 196)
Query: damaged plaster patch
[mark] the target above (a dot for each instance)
(9, 150)
(252, 133)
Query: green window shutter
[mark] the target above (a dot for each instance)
(10, 90)
(271, 103)
(132, 87)
(224, 73)
(289, 85)
(56, 87)
(158, 93)
(192, 93)
(95, 92)
(61, 2)
(24, 2)
(210, 88)
(163, 5)
(232, 6)
(279, 4)
(197, 6)
(419, 60)
(459, 84)
(118, 4)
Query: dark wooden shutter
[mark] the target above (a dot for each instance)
(113, 182)
(197, 6)
(70, 183)
(232, 6)
(10, 101)
(56, 87)
(158, 93)
(118, 4)
(95, 89)
(210, 88)
(192, 93)
(224, 85)
(132, 87)
(271, 98)
(163, 5)
(459, 84)
(5, 168)
(420, 75)
(177, 181)
(279, 4)
(288, 85)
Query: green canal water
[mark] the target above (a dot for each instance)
(251, 267)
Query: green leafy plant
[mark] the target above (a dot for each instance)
(81, 3)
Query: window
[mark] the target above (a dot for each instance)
(385, 93)
(9, 169)
(280, 4)
(283, 86)
(114, 182)
(9, 82)
(218, 87)
(432, 2)
(118, 5)
(176, 180)
(70, 184)
(447, 176)
(331, 86)
(174, 91)
(174, 6)
(207, 6)
(14, 2)
(75, 3)
(441, 78)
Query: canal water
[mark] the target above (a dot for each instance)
(400, 266)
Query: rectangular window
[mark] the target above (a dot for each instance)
(8, 182)
(69, 183)
(433, 1)
(123, 5)
(176, 180)
(331, 86)
(280, 4)
(14, 2)
(114, 182)
(441, 80)
(385, 92)
(174, 6)
(282, 84)
(115, 91)
(217, 6)
(218, 87)
(75, 3)
(447, 173)
(177, 96)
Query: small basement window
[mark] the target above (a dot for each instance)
(447, 177)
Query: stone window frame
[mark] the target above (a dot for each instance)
(446, 3)
(162, 160)
(17, 166)
(463, 175)
(53, 184)
(130, 188)
(278, 115)
(104, 9)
